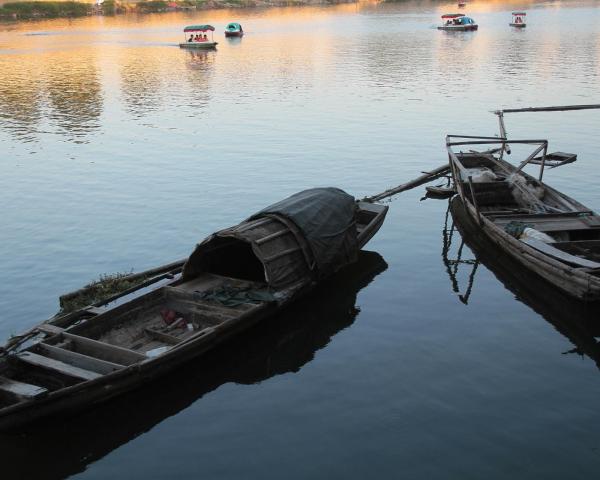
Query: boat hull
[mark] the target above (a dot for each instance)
(458, 28)
(199, 45)
(233, 34)
(518, 25)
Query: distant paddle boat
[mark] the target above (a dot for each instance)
(198, 38)
(462, 4)
(458, 22)
(518, 20)
(234, 30)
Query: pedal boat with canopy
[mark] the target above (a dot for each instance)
(457, 22)
(198, 31)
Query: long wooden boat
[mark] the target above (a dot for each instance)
(232, 280)
(546, 231)
(278, 345)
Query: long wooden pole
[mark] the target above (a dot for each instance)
(561, 108)
(427, 177)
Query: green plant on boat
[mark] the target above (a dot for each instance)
(99, 290)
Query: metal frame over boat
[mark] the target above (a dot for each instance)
(203, 43)
(458, 22)
(546, 231)
(232, 280)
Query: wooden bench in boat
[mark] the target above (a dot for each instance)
(551, 222)
(553, 252)
(20, 390)
(57, 366)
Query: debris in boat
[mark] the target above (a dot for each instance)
(231, 296)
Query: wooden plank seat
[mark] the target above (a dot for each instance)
(553, 252)
(104, 351)
(56, 366)
(20, 390)
(78, 360)
(546, 223)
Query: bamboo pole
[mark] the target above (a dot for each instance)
(425, 178)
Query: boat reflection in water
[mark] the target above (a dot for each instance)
(276, 346)
(575, 319)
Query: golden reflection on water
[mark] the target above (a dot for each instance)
(57, 75)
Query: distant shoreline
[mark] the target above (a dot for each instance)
(13, 12)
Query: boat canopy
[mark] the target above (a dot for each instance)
(233, 26)
(519, 13)
(303, 238)
(199, 28)
(453, 15)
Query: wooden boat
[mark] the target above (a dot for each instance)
(198, 38)
(234, 30)
(232, 280)
(457, 22)
(282, 344)
(462, 4)
(546, 231)
(518, 20)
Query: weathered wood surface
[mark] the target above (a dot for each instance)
(105, 351)
(425, 178)
(559, 254)
(560, 108)
(20, 390)
(78, 359)
(57, 366)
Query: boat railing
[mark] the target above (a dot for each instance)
(460, 172)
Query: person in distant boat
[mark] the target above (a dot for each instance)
(191, 38)
(205, 38)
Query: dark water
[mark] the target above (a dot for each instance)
(121, 151)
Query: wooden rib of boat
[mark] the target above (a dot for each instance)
(232, 280)
(546, 231)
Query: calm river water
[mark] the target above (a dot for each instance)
(120, 151)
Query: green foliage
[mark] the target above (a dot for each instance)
(45, 9)
(98, 290)
(152, 6)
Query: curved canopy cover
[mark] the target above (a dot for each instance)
(326, 217)
(233, 26)
(302, 238)
(199, 28)
(453, 15)
(519, 13)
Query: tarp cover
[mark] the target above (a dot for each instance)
(326, 217)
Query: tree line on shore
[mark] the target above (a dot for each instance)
(54, 9)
